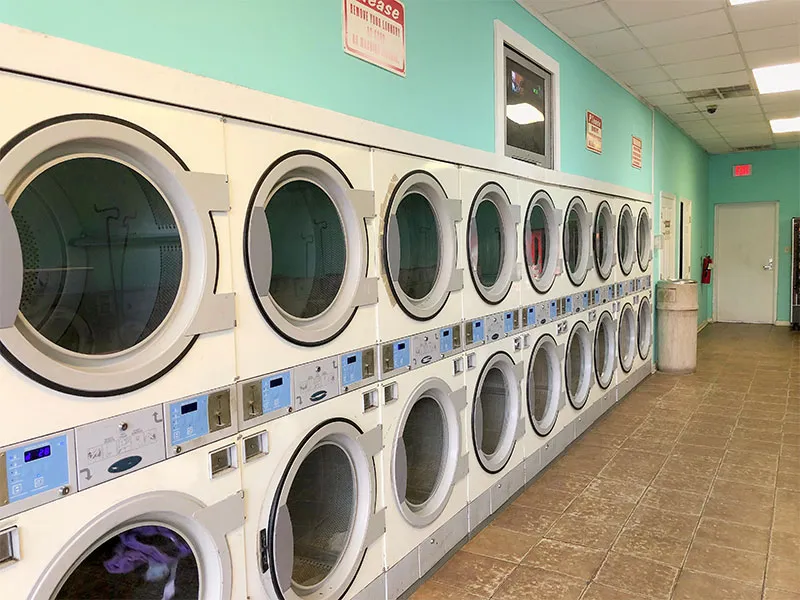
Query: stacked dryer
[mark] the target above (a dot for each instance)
(116, 335)
(304, 266)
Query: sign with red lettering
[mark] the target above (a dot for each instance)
(375, 31)
(594, 133)
(637, 153)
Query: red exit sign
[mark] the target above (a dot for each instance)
(742, 170)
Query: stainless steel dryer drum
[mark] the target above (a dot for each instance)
(604, 229)
(544, 385)
(578, 366)
(306, 248)
(644, 242)
(644, 330)
(577, 241)
(110, 263)
(492, 243)
(420, 251)
(627, 343)
(496, 411)
(626, 240)
(605, 349)
(541, 241)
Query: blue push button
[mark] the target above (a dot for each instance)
(352, 368)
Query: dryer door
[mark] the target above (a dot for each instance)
(644, 242)
(157, 545)
(541, 241)
(604, 240)
(645, 328)
(322, 518)
(605, 351)
(626, 240)
(118, 256)
(578, 365)
(627, 338)
(545, 387)
(577, 240)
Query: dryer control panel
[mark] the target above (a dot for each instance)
(475, 332)
(267, 397)
(358, 369)
(200, 420)
(396, 356)
(315, 382)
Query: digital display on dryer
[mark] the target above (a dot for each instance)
(37, 453)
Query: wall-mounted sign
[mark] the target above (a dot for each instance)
(375, 31)
(594, 133)
(636, 153)
(742, 170)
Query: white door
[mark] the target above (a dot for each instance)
(686, 239)
(667, 253)
(745, 262)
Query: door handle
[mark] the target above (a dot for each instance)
(770, 265)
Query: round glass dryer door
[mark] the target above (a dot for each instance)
(420, 245)
(577, 243)
(604, 240)
(605, 349)
(496, 413)
(153, 546)
(109, 256)
(626, 240)
(541, 237)
(627, 338)
(425, 453)
(644, 243)
(544, 386)
(578, 365)
(306, 248)
(492, 239)
(644, 335)
(319, 522)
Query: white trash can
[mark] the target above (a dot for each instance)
(676, 308)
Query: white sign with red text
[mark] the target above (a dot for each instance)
(375, 31)
(594, 132)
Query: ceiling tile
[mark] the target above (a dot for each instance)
(761, 15)
(699, 128)
(737, 141)
(584, 20)
(686, 107)
(648, 75)
(719, 45)
(708, 66)
(686, 117)
(733, 106)
(638, 12)
(721, 148)
(544, 6)
(667, 100)
(786, 99)
(773, 56)
(627, 61)
(781, 112)
(656, 89)
(744, 129)
(787, 145)
(608, 42)
(714, 81)
(693, 27)
(773, 37)
(723, 122)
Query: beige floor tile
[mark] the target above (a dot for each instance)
(568, 559)
(603, 510)
(549, 499)
(597, 591)
(561, 479)
(787, 511)
(727, 562)
(744, 493)
(703, 466)
(612, 489)
(652, 544)
(431, 590)
(637, 575)
(733, 535)
(584, 532)
(755, 445)
(524, 519)
(502, 544)
(586, 459)
(751, 460)
(785, 546)
(688, 503)
(791, 439)
(604, 440)
(678, 526)
(683, 481)
(629, 465)
(473, 574)
(760, 426)
(703, 586)
(709, 428)
(789, 481)
(731, 472)
(529, 583)
(783, 575)
(645, 444)
(701, 445)
(727, 509)
(780, 595)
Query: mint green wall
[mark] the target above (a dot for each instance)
(682, 168)
(775, 178)
(294, 49)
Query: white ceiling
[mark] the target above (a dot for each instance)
(662, 49)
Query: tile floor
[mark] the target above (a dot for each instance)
(688, 489)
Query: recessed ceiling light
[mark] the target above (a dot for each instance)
(785, 125)
(524, 114)
(779, 78)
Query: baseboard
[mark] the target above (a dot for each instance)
(703, 325)
(782, 323)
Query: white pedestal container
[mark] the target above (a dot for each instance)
(676, 304)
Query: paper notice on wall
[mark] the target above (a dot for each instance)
(375, 31)
(594, 133)
(636, 152)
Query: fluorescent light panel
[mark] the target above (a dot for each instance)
(779, 78)
(738, 2)
(524, 114)
(785, 125)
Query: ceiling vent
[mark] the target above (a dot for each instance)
(754, 148)
(722, 93)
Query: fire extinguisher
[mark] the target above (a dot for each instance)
(708, 264)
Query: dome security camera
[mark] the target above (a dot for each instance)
(711, 109)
